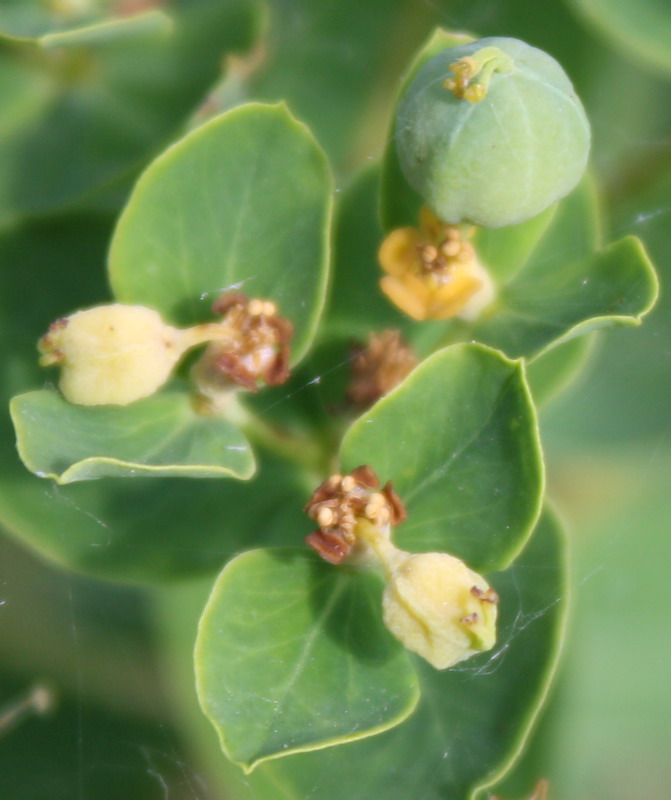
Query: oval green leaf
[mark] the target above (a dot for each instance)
(242, 202)
(291, 656)
(472, 720)
(159, 436)
(541, 308)
(459, 440)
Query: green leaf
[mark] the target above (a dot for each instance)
(160, 436)
(459, 440)
(47, 30)
(242, 202)
(109, 102)
(146, 24)
(337, 66)
(399, 202)
(642, 27)
(472, 720)
(554, 370)
(356, 304)
(291, 656)
(505, 251)
(542, 308)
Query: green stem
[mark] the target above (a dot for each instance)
(297, 448)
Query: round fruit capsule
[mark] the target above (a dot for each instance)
(491, 133)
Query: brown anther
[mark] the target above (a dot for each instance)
(486, 595)
(227, 301)
(230, 365)
(398, 512)
(282, 327)
(330, 545)
(470, 619)
(366, 476)
(278, 372)
(59, 324)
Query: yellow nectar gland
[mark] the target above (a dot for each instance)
(433, 271)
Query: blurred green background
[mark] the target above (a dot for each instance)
(113, 730)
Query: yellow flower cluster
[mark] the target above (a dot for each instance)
(433, 271)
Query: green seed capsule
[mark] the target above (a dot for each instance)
(491, 133)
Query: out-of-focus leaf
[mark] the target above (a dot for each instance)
(36, 23)
(160, 436)
(625, 398)
(291, 656)
(110, 99)
(640, 27)
(336, 63)
(148, 24)
(241, 202)
(459, 440)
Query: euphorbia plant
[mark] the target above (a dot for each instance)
(403, 647)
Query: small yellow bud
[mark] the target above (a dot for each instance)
(438, 607)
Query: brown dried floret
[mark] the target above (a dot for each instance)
(378, 367)
(340, 503)
(258, 348)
